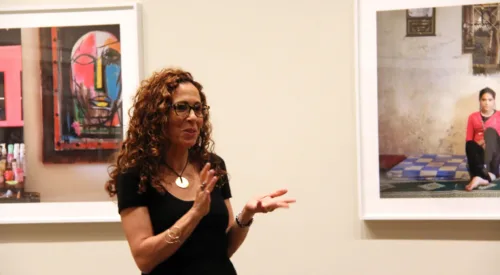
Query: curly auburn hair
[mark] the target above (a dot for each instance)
(143, 150)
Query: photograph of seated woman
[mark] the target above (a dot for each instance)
(172, 191)
(482, 141)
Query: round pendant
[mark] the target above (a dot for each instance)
(182, 182)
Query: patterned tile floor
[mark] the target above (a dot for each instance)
(429, 176)
(436, 189)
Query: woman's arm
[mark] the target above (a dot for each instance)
(470, 130)
(261, 204)
(236, 234)
(149, 250)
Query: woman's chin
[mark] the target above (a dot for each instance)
(184, 143)
(188, 143)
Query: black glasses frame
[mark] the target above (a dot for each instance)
(204, 109)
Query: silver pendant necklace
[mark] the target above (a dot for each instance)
(180, 181)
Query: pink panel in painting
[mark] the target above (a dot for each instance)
(11, 66)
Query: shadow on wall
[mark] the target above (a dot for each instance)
(432, 230)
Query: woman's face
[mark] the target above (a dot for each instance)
(185, 116)
(487, 102)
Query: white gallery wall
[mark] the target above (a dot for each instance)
(279, 77)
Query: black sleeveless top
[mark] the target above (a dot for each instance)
(205, 250)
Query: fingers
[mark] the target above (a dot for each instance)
(265, 207)
(204, 171)
(272, 207)
(208, 182)
(203, 186)
(274, 204)
(283, 204)
(289, 200)
(276, 193)
(211, 183)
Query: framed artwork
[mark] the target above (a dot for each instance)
(421, 22)
(68, 75)
(468, 25)
(480, 24)
(414, 101)
(82, 92)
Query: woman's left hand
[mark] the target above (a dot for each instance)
(269, 202)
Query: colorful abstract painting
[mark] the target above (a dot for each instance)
(81, 80)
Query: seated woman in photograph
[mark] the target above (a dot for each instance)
(173, 193)
(483, 141)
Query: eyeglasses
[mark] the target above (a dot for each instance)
(183, 109)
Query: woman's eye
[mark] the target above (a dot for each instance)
(182, 107)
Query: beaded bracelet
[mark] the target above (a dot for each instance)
(238, 222)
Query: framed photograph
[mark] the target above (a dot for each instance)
(67, 78)
(426, 111)
(421, 22)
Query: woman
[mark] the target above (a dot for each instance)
(483, 142)
(173, 193)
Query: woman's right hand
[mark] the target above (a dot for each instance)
(481, 143)
(202, 201)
